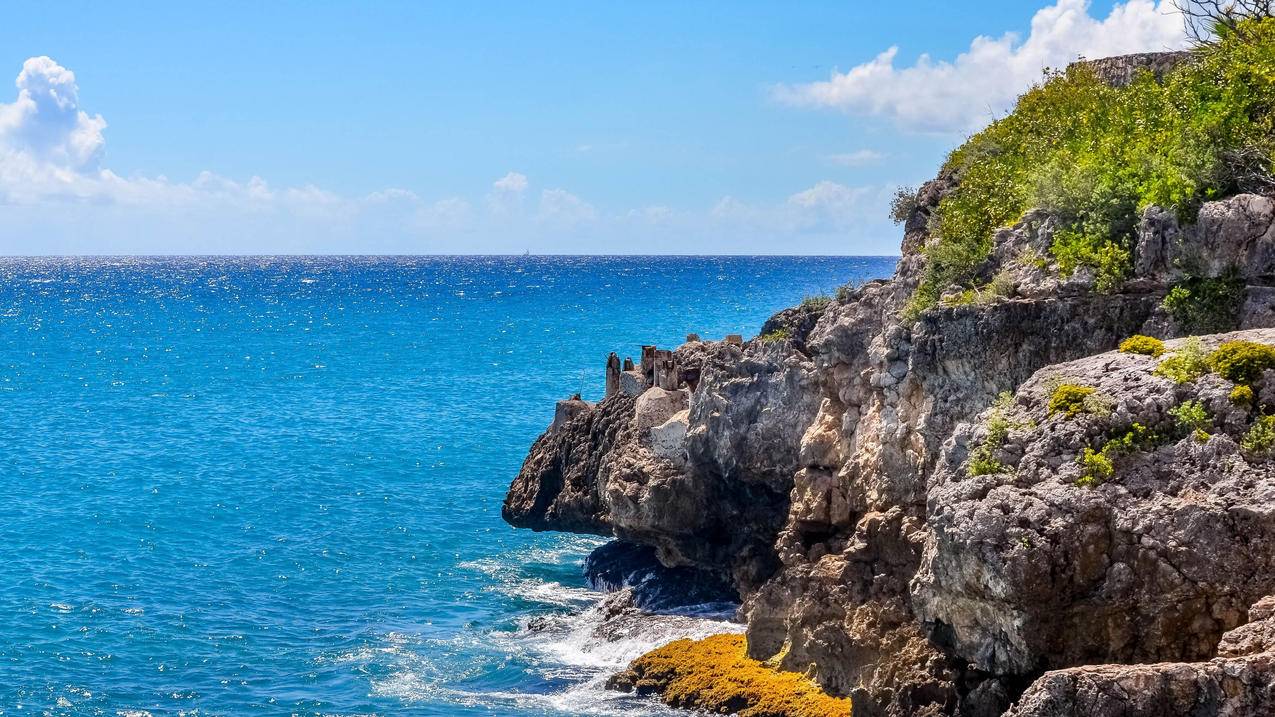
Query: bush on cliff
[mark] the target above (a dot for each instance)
(1070, 399)
(1242, 361)
(1095, 156)
(1145, 345)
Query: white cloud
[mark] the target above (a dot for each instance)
(826, 207)
(46, 124)
(558, 206)
(982, 83)
(58, 197)
(511, 183)
(857, 158)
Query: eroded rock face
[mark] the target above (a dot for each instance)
(1240, 681)
(818, 473)
(1047, 562)
(701, 475)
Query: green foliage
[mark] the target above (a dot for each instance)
(902, 204)
(780, 334)
(982, 459)
(1139, 344)
(1186, 364)
(1242, 361)
(1095, 156)
(1138, 437)
(815, 303)
(1099, 465)
(1259, 442)
(845, 291)
(1242, 395)
(1095, 468)
(1070, 399)
(1191, 416)
(1206, 306)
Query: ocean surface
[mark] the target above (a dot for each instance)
(272, 486)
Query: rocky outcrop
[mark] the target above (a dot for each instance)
(1121, 70)
(826, 471)
(1240, 681)
(1116, 532)
(702, 473)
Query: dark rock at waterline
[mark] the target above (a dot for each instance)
(620, 564)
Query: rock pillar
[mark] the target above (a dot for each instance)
(613, 374)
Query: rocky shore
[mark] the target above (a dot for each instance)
(984, 509)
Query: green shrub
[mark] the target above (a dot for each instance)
(1206, 306)
(1191, 416)
(1095, 468)
(982, 460)
(983, 463)
(1185, 364)
(1259, 442)
(1242, 361)
(1070, 399)
(902, 204)
(1242, 395)
(815, 303)
(1138, 437)
(780, 334)
(1094, 156)
(1139, 344)
(845, 291)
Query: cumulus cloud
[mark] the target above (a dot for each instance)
(59, 197)
(511, 183)
(46, 124)
(966, 93)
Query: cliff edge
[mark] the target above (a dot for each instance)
(912, 516)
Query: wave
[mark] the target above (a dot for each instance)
(556, 657)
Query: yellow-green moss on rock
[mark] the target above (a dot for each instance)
(716, 675)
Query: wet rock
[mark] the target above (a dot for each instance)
(619, 565)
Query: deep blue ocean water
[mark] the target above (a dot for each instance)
(273, 485)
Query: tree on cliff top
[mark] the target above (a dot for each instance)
(1208, 21)
(1096, 155)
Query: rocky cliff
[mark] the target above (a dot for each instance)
(839, 472)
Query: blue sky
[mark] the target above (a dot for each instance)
(410, 127)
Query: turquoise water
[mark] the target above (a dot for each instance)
(273, 486)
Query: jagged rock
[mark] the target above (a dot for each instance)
(1027, 567)
(619, 565)
(1120, 71)
(1236, 235)
(818, 474)
(706, 484)
(1240, 682)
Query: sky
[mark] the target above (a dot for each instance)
(502, 127)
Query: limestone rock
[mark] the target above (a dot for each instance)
(1027, 567)
(1239, 682)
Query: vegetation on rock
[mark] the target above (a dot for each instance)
(1259, 442)
(1242, 361)
(1242, 395)
(1139, 344)
(1070, 399)
(1193, 418)
(1204, 305)
(1094, 156)
(1185, 364)
(715, 675)
(780, 334)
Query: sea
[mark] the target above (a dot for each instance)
(272, 485)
